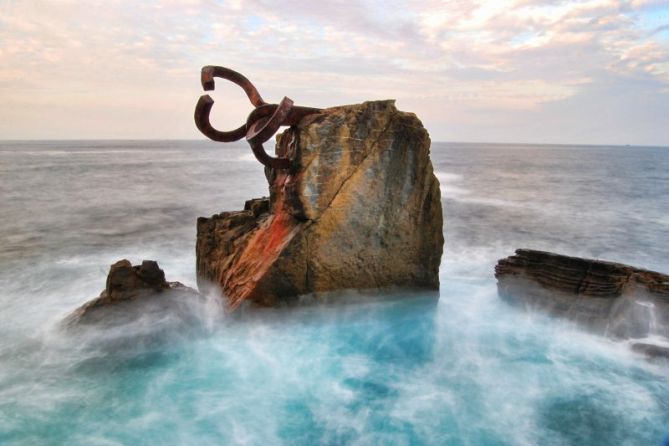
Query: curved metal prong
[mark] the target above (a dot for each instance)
(270, 161)
(209, 72)
(263, 122)
(259, 131)
(202, 110)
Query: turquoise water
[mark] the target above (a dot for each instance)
(457, 368)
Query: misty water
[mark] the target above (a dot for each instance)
(395, 368)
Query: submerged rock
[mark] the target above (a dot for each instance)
(652, 351)
(361, 208)
(619, 300)
(131, 292)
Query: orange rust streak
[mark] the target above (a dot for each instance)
(262, 250)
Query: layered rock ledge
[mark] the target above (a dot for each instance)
(619, 300)
(360, 208)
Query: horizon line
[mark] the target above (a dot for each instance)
(26, 140)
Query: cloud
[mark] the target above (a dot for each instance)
(473, 62)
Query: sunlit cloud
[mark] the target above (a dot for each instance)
(469, 69)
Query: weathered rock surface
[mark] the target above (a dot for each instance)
(619, 300)
(361, 208)
(131, 292)
(652, 351)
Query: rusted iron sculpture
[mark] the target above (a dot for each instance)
(263, 122)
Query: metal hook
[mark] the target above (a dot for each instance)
(209, 72)
(263, 122)
(202, 111)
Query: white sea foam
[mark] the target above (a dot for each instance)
(449, 183)
(452, 188)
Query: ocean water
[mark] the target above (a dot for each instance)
(398, 368)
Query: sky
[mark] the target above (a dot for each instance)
(582, 72)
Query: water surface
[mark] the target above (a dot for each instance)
(399, 368)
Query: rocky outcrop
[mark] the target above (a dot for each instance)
(652, 351)
(360, 208)
(619, 300)
(128, 289)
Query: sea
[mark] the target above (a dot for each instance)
(392, 368)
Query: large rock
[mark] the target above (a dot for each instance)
(619, 300)
(132, 292)
(361, 208)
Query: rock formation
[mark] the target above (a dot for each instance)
(616, 299)
(360, 208)
(652, 351)
(127, 288)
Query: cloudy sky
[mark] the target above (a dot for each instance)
(494, 71)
